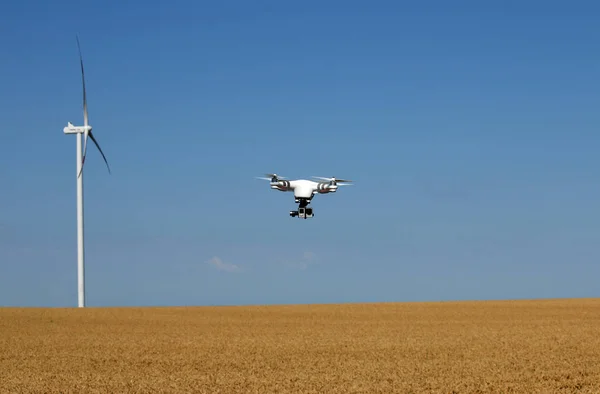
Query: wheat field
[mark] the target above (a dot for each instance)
(541, 346)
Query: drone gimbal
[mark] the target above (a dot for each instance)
(304, 211)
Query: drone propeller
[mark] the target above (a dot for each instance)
(275, 176)
(87, 130)
(339, 182)
(271, 177)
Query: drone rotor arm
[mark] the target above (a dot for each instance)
(333, 179)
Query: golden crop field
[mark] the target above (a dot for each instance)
(541, 346)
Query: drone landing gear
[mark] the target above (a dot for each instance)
(303, 212)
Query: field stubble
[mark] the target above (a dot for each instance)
(500, 346)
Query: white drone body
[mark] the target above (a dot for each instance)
(304, 190)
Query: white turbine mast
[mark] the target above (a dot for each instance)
(86, 130)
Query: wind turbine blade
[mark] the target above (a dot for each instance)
(100, 149)
(85, 111)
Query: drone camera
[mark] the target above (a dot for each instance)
(303, 213)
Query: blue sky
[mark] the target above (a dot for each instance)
(471, 131)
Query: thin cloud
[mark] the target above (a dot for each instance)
(223, 266)
(308, 258)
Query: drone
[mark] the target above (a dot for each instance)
(304, 190)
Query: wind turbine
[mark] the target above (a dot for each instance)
(86, 130)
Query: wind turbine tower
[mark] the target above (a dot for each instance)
(79, 131)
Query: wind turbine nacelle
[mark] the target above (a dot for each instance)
(70, 129)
